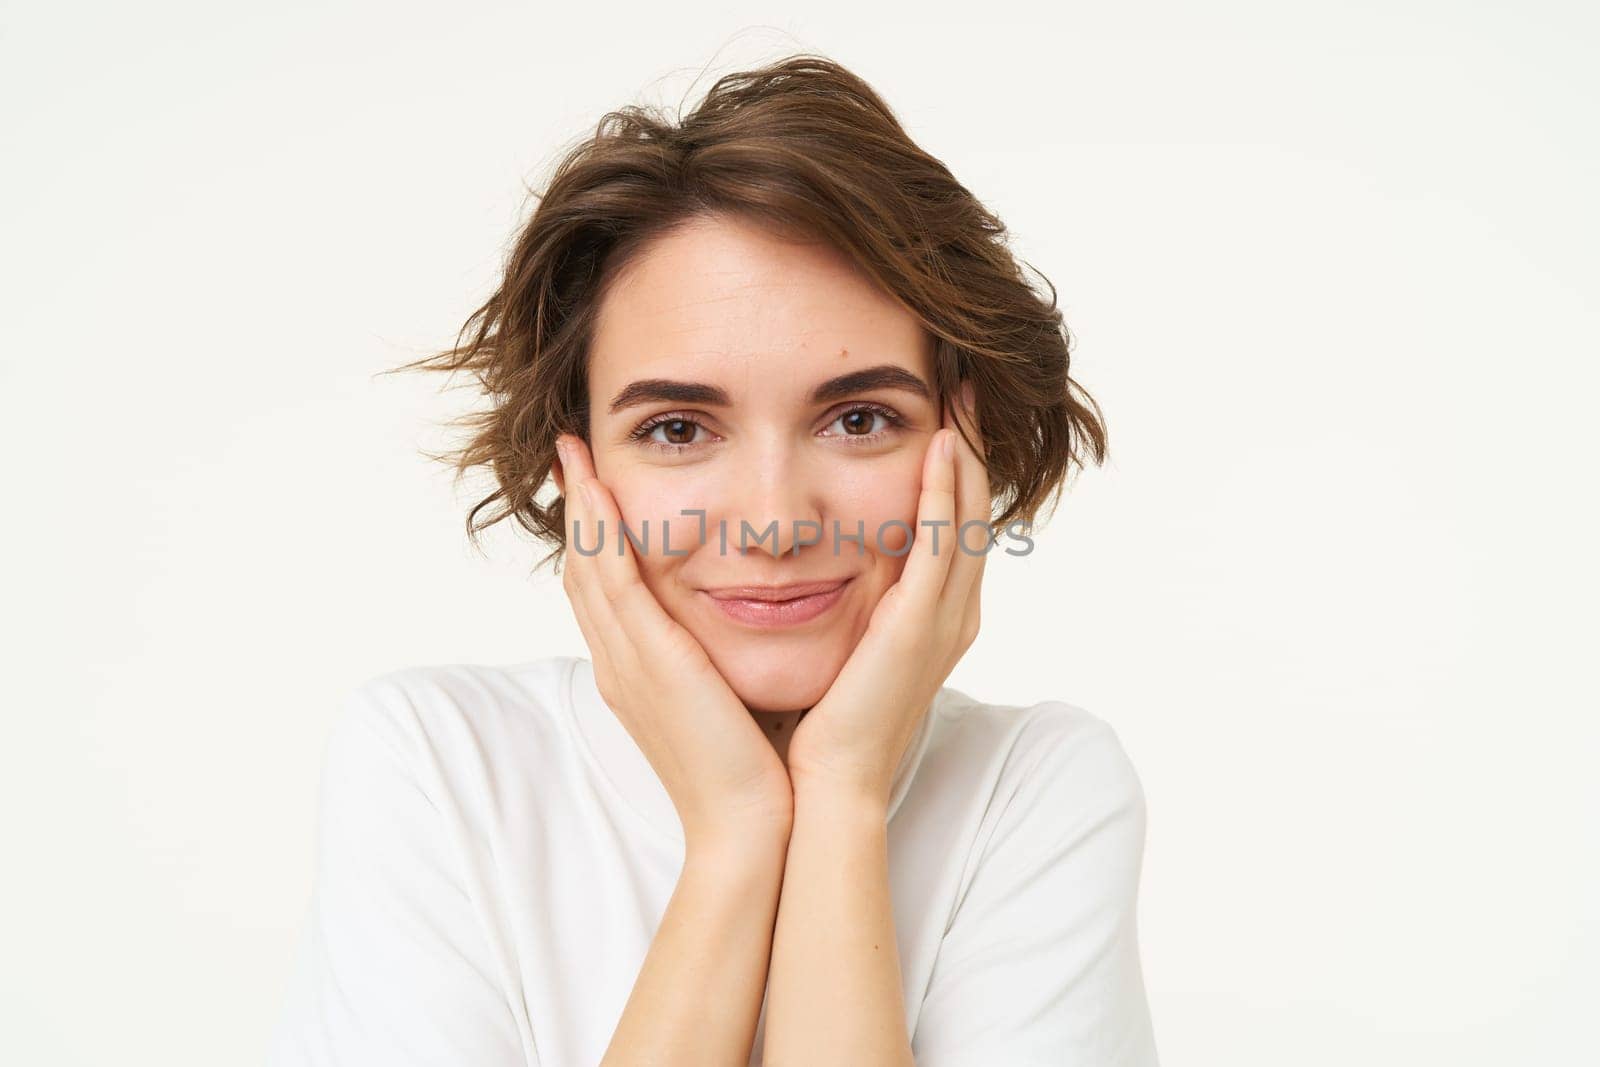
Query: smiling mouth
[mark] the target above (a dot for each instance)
(772, 606)
(792, 591)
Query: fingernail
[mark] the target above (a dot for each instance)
(561, 450)
(949, 445)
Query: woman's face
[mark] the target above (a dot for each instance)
(720, 379)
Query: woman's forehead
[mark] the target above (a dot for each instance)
(730, 298)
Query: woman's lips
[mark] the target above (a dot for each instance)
(780, 606)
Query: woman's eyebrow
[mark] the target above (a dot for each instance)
(883, 376)
(665, 390)
(670, 391)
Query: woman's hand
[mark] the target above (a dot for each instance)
(723, 775)
(856, 735)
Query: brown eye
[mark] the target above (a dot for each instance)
(861, 423)
(857, 422)
(672, 434)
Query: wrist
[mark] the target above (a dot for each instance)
(732, 851)
(849, 802)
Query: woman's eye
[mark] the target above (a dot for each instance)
(669, 433)
(868, 421)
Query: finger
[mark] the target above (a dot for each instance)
(926, 567)
(604, 634)
(620, 600)
(975, 505)
(603, 665)
(972, 618)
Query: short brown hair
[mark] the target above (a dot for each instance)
(805, 147)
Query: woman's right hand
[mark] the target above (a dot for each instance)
(724, 777)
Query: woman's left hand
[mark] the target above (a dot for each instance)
(856, 735)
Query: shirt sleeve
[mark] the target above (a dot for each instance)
(1040, 962)
(394, 967)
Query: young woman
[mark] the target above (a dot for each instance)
(779, 366)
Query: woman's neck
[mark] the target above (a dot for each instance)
(779, 727)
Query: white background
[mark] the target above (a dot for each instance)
(1331, 273)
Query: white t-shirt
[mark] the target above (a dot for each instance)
(494, 854)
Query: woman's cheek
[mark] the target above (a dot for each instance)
(647, 500)
(877, 503)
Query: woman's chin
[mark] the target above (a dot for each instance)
(780, 683)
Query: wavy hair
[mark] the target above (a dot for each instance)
(806, 147)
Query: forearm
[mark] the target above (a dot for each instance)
(834, 991)
(698, 994)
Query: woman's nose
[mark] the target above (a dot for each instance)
(775, 502)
